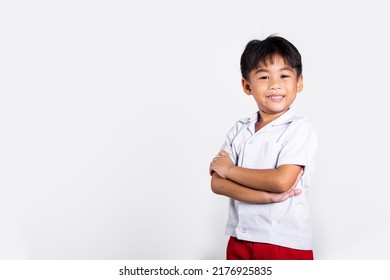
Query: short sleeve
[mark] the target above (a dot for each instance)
(232, 133)
(299, 148)
(300, 145)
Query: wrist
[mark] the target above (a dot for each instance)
(229, 171)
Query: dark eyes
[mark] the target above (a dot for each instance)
(267, 77)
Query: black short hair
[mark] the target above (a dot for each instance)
(259, 52)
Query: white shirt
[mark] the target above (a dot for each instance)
(289, 139)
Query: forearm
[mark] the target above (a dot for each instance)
(238, 192)
(276, 180)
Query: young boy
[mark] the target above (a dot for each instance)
(261, 164)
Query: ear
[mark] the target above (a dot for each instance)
(300, 83)
(246, 87)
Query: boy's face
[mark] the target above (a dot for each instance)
(274, 87)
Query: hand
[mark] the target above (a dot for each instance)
(279, 197)
(221, 164)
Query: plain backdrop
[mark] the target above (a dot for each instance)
(110, 112)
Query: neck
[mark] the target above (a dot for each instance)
(264, 119)
(267, 118)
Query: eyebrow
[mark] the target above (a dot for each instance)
(258, 70)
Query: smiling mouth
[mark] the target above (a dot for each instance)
(276, 98)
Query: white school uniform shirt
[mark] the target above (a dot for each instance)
(289, 139)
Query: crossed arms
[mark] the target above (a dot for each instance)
(253, 185)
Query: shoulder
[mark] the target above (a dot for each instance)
(242, 123)
(301, 122)
(238, 127)
(302, 128)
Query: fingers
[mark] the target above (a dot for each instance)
(293, 192)
(298, 177)
(211, 170)
(297, 192)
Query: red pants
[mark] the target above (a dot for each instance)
(246, 250)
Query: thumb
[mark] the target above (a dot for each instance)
(297, 191)
(223, 153)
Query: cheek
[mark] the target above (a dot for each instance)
(260, 88)
(291, 87)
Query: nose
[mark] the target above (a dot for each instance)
(274, 84)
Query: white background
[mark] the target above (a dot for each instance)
(110, 112)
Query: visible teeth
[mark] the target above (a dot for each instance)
(276, 97)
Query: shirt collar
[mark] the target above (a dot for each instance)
(285, 118)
